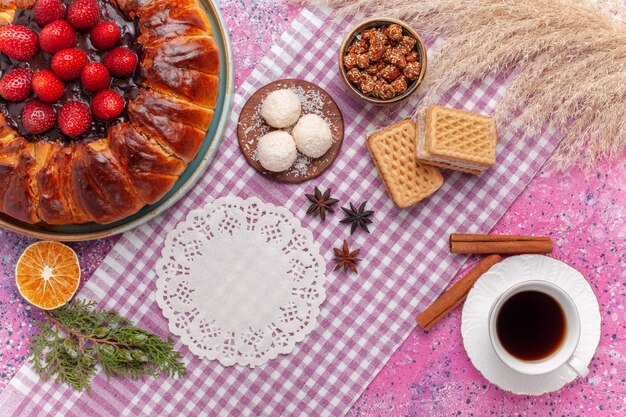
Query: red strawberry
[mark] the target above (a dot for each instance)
(56, 36)
(121, 62)
(16, 85)
(105, 35)
(83, 14)
(19, 42)
(107, 105)
(47, 11)
(95, 77)
(38, 117)
(74, 118)
(69, 63)
(48, 86)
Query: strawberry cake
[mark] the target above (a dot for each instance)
(103, 104)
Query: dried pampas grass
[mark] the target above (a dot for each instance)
(569, 58)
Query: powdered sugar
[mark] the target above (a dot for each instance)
(301, 166)
(311, 100)
(258, 127)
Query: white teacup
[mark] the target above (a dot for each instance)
(564, 353)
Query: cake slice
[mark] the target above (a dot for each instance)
(393, 150)
(199, 53)
(197, 87)
(151, 170)
(165, 22)
(53, 206)
(21, 193)
(56, 204)
(162, 124)
(101, 188)
(175, 108)
(141, 8)
(456, 139)
(10, 149)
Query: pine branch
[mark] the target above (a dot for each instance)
(75, 337)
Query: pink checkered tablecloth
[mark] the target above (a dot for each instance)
(365, 317)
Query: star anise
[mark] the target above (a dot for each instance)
(321, 203)
(358, 217)
(346, 259)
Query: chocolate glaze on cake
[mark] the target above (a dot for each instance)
(127, 87)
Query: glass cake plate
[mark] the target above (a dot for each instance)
(90, 231)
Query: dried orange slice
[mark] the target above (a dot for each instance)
(47, 274)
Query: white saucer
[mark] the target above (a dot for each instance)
(510, 271)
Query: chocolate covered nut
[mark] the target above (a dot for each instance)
(383, 90)
(394, 32)
(359, 46)
(411, 56)
(395, 57)
(412, 70)
(367, 84)
(362, 60)
(375, 69)
(389, 72)
(407, 44)
(399, 85)
(349, 61)
(367, 34)
(354, 75)
(378, 46)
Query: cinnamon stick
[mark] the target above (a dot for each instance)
(455, 295)
(509, 244)
(445, 313)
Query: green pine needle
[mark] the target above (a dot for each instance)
(75, 337)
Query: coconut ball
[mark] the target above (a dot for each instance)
(312, 135)
(281, 108)
(277, 151)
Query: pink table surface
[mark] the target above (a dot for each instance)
(431, 374)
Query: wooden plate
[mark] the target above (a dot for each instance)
(251, 127)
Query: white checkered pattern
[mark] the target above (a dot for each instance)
(365, 317)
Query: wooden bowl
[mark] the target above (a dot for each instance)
(374, 23)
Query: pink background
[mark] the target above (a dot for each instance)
(431, 374)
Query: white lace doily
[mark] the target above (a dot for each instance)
(240, 281)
